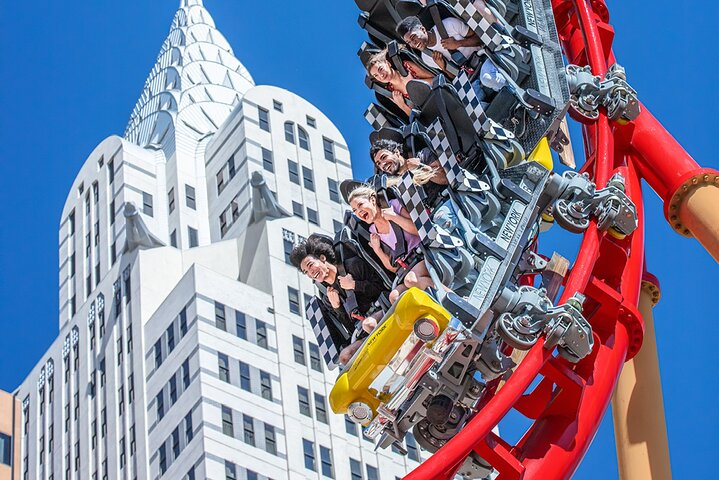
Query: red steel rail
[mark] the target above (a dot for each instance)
(569, 402)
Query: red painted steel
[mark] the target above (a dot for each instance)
(569, 403)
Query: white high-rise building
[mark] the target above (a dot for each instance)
(182, 351)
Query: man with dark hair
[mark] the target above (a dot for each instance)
(388, 156)
(459, 37)
(316, 258)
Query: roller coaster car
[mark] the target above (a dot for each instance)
(534, 103)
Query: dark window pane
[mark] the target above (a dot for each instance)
(264, 118)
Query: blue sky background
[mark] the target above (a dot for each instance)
(71, 73)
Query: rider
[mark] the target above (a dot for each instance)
(316, 258)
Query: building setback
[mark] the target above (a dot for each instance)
(182, 351)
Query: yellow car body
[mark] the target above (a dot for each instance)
(380, 348)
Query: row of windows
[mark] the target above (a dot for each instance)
(171, 392)
(327, 467)
(171, 448)
(164, 345)
(298, 347)
(245, 327)
(231, 471)
(252, 379)
(226, 174)
(328, 145)
(231, 214)
(192, 238)
(303, 396)
(253, 432)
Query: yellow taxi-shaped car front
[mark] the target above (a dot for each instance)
(353, 386)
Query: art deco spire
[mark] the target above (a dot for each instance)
(194, 84)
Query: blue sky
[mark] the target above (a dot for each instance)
(72, 71)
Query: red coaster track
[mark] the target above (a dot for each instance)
(567, 406)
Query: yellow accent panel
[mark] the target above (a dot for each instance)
(542, 154)
(379, 348)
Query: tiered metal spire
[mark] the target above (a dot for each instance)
(194, 84)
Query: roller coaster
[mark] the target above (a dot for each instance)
(504, 326)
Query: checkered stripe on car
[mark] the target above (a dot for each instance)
(375, 117)
(458, 178)
(488, 35)
(483, 125)
(327, 346)
(413, 196)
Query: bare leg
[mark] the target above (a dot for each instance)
(419, 277)
(368, 324)
(394, 294)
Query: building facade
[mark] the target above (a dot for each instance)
(182, 350)
(10, 419)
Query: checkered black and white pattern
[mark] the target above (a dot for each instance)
(327, 346)
(490, 37)
(482, 124)
(433, 236)
(458, 178)
(375, 117)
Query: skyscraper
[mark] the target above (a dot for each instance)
(182, 351)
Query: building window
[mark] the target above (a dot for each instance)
(309, 452)
(173, 238)
(350, 426)
(266, 385)
(162, 453)
(241, 325)
(334, 190)
(308, 179)
(298, 347)
(270, 439)
(329, 148)
(297, 209)
(228, 427)
(412, 450)
(268, 162)
(230, 471)
(188, 428)
(170, 338)
(221, 180)
(160, 404)
(288, 246)
(5, 449)
(303, 396)
(147, 204)
(328, 469)
(264, 118)
(183, 322)
(321, 408)
(355, 469)
(312, 216)
(294, 171)
(220, 321)
(245, 381)
(248, 428)
(372, 473)
(171, 200)
(173, 390)
(252, 475)
(311, 122)
(294, 300)
(112, 212)
(176, 443)
(110, 171)
(223, 365)
(158, 353)
(290, 132)
(185, 374)
(261, 331)
(192, 234)
(277, 105)
(231, 168)
(190, 197)
(315, 359)
(304, 139)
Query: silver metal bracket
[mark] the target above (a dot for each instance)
(588, 92)
(579, 200)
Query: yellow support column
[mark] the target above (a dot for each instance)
(693, 211)
(637, 406)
